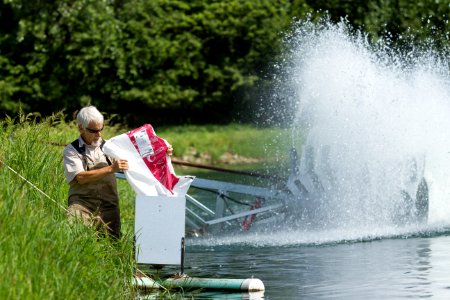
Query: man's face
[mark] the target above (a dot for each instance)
(92, 133)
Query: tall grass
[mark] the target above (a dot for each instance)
(42, 255)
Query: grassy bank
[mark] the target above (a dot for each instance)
(42, 256)
(45, 257)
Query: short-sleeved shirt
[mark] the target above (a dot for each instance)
(74, 161)
(95, 195)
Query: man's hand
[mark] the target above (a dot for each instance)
(169, 150)
(120, 165)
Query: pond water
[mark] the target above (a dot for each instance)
(414, 266)
(403, 264)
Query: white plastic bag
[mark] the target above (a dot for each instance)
(150, 171)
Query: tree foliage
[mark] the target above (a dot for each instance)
(192, 61)
(425, 18)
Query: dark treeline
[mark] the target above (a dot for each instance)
(167, 60)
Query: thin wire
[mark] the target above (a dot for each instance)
(222, 195)
(33, 185)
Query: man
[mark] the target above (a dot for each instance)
(93, 195)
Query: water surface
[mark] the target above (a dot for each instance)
(391, 268)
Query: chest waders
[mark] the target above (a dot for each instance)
(99, 197)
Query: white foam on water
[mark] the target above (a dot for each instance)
(287, 237)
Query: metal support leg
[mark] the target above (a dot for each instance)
(183, 251)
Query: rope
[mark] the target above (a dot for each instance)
(231, 211)
(214, 168)
(31, 184)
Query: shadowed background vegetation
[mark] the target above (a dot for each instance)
(171, 61)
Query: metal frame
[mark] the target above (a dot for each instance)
(220, 216)
(199, 216)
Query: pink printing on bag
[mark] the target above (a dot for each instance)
(153, 151)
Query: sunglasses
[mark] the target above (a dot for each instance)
(94, 130)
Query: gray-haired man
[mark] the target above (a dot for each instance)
(93, 193)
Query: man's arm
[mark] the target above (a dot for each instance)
(94, 175)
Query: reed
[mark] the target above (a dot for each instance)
(42, 255)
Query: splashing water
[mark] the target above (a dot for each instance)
(378, 126)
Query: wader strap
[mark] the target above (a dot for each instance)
(76, 145)
(106, 156)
